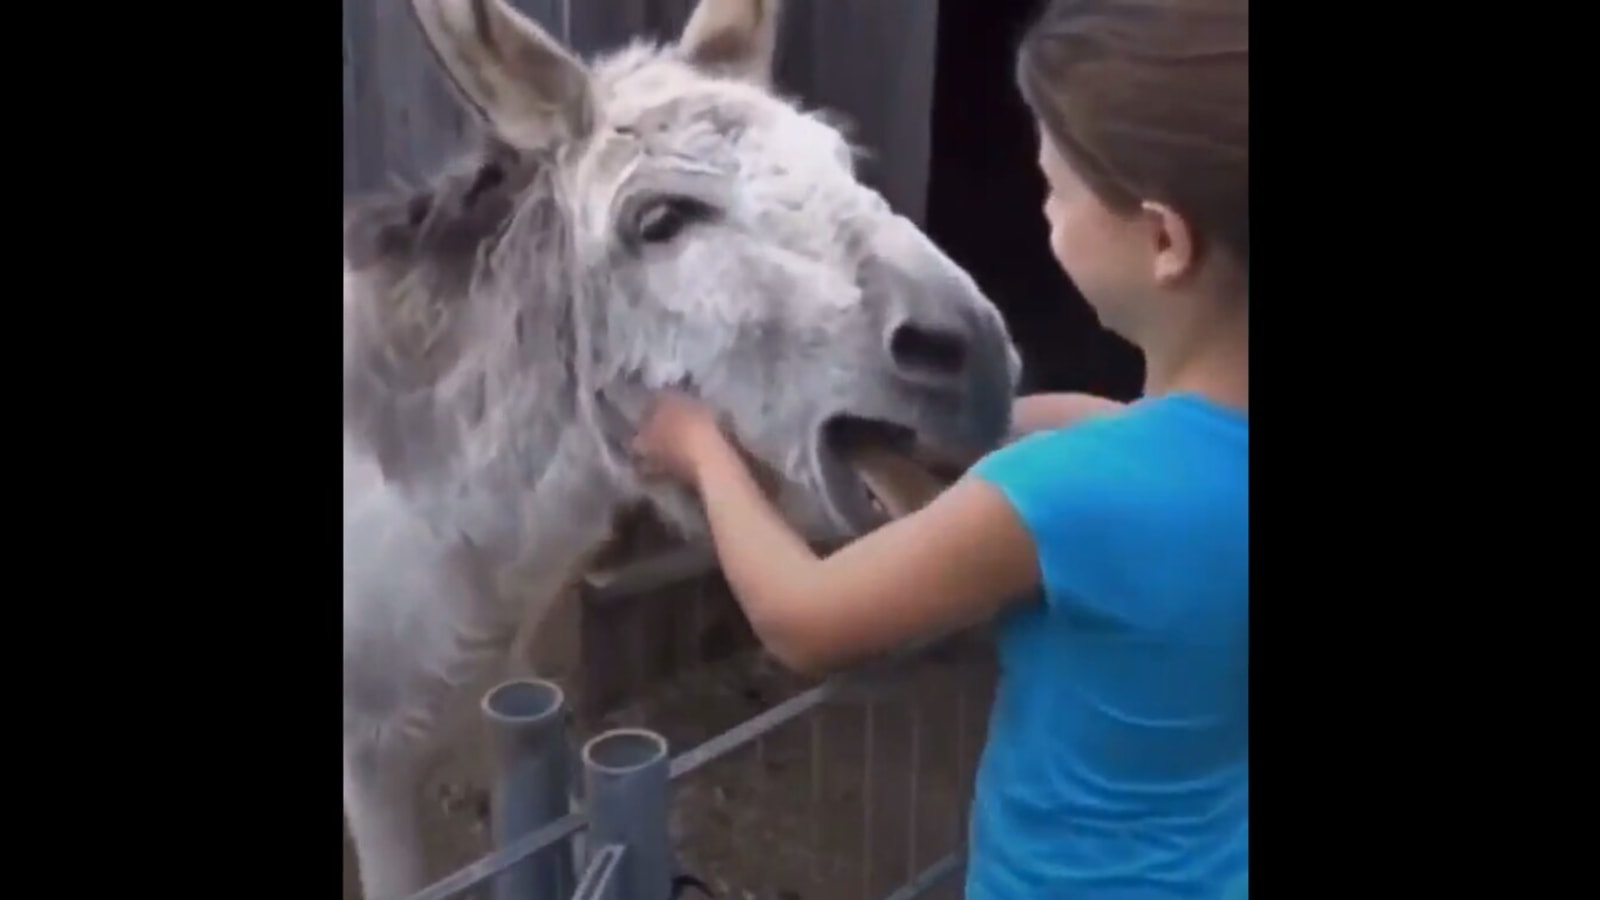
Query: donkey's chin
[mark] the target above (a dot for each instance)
(874, 470)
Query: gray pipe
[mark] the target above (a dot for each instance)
(626, 792)
(528, 719)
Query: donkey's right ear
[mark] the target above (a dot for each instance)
(733, 37)
(524, 85)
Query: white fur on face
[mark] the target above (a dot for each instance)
(783, 180)
(765, 308)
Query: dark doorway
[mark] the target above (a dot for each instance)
(984, 199)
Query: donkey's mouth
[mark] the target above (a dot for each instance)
(875, 470)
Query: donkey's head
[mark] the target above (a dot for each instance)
(661, 218)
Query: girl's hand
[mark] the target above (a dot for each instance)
(678, 434)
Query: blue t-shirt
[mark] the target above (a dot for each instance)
(1118, 759)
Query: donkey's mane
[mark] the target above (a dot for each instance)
(442, 221)
(438, 323)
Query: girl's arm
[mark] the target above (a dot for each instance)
(953, 563)
(1047, 412)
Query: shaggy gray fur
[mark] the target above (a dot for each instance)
(656, 217)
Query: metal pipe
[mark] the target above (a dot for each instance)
(931, 877)
(626, 793)
(528, 718)
(583, 855)
(915, 793)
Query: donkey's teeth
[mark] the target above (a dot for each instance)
(898, 486)
(873, 501)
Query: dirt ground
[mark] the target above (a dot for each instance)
(845, 802)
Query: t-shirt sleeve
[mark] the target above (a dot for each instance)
(1058, 484)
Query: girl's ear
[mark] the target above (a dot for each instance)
(1172, 243)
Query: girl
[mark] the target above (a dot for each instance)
(1113, 554)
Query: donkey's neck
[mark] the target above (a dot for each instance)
(482, 428)
(533, 518)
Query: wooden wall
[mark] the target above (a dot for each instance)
(870, 60)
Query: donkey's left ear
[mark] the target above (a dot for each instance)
(733, 37)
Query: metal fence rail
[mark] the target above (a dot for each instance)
(625, 786)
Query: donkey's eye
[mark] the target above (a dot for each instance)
(663, 219)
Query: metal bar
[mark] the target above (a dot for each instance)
(916, 774)
(527, 718)
(960, 823)
(741, 734)
(579, 843)
(473, 874)
(931, 877)
(599, 879)
(871, 714)
(627, 787)
(515, 851)
(816, 797)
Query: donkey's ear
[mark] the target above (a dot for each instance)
(733, 37)
(525, 86)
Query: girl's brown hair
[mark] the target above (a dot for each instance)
(1150, 100)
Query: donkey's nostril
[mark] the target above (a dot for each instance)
(922, 350)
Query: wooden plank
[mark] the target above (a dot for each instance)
(631, 643)
(874, 63)
(658, 571)
(363, 128)
(549, 13)
(351, 142)
(401, 119)
(871, 62)
(600, 26)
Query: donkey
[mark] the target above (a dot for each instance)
(656, 217)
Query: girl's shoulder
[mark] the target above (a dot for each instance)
(1157, 453)
(1124, 440)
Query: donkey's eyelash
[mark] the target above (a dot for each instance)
(661, 219)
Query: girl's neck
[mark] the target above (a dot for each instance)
(1213, 362)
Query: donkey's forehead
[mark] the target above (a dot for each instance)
(655, 107)
(642, 85)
